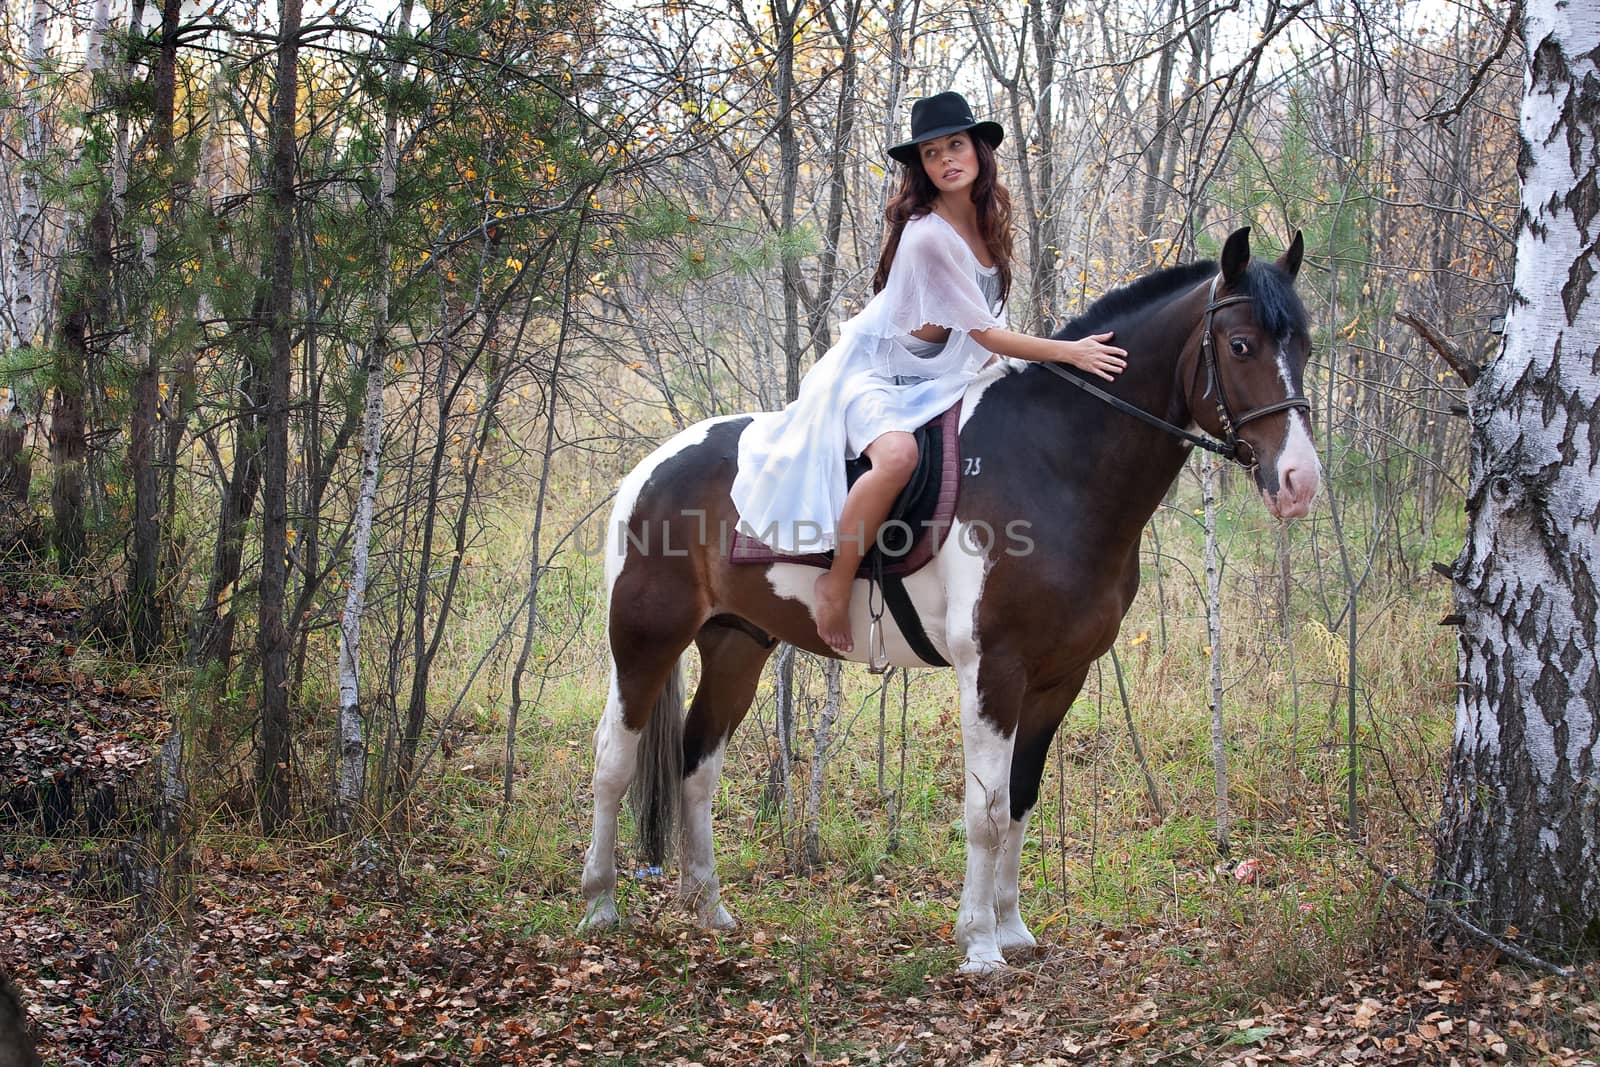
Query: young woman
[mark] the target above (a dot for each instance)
(937, 318)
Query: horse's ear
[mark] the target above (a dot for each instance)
(1289, 262)
(1236, 254)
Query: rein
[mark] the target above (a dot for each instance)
(1228, 448)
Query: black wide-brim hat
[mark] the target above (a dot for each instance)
(940, 116)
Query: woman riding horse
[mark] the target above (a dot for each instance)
(937, 318)
(1222, 348)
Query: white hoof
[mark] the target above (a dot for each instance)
(602, 916)
(1014, 936)
(705, 903)
(982, 964)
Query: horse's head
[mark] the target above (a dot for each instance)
(1249, 355)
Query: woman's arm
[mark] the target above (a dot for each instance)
(1090, 353)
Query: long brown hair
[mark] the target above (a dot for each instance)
(915, 199)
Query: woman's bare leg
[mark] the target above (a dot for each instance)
(894, 457)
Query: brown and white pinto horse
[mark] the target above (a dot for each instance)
(1222, 346)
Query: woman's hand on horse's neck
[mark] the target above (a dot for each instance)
(1092, 354)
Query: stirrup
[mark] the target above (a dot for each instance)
(877, 651)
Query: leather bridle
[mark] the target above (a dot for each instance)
(1230, 446)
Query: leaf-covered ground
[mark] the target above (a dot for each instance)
(60, 720)
(439, 948)
(285, 966)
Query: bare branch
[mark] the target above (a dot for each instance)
(1512, 29)
(1450, 915)
(1448, 350)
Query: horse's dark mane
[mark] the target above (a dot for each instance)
(1160, 286)
(1277, 305)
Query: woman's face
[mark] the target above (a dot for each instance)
(951, 163)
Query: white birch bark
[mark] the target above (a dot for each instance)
(352, 740)
(9, 180)
(119, 152)
(1519, 835)
(96, 56)
(1219, 755)
(28, 244)
(97, 49)
(7, 202)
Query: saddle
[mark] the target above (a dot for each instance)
(925, 507)
(917, 524)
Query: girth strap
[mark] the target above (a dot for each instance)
(892, 594)
(905, 616)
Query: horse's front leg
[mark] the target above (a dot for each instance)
(1041, 715)
(698, 886)
(1011, 932)
(988, 716)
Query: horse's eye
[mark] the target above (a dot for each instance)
(1239, 348)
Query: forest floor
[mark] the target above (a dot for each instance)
(449, 945)
(280, 964)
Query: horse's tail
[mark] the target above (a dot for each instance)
(658, 774)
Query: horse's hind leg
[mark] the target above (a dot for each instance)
(730, 668)
(644, 687)
(1042, 712)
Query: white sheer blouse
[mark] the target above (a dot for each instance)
(790, 486)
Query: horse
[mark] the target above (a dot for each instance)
(1217, 346)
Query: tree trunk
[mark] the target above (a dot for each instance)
(784, 17)
(81, 303)
(25, 276)
(1047, 17)
(838, 160)
(535, 563)
(145, 616)
(211, 636)
(1219, 736)
(76, 302)
(352, 739)
(28, 245)
(1520, 827)
(834, 676)
(1155, 150)
(272, 636)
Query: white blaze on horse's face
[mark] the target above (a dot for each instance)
(1298, 468)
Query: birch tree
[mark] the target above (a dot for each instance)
(1519, 837)
(1219, 734)
(352, 743)
(28, 251)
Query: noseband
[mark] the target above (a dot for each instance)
(1230, 446)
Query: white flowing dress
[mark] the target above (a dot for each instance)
(790, 486)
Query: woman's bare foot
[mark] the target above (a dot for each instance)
(833, 611)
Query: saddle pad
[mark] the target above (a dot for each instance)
(927, 504)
